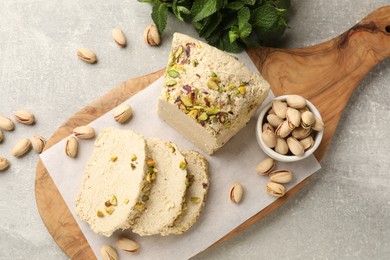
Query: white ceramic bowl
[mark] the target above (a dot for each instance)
(280, 157)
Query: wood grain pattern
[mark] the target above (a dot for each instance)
(326, 74)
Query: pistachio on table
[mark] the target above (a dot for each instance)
(280, 176)
(122, 113)
(3, 163)
(71, 147)
(127, 245)
(38, 143)
(84, 132)
(25, 117)
(108, 253)
(265, 166)
(275, 189)
(86, 55)
(151, 35)
(6, 123)
(119, 37)
(236, 193)
(21, 147)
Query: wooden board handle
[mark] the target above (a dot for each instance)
(328, 73)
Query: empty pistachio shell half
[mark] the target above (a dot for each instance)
(3, 163)
(318, 125)
(236, 193)
(275, 189)
(283, 130)
(307, 119)
(1, 136)
(24, 117)
(274, 120)
(84, 132)
(293, 117)
(21, 147)
(86, 55)
(119, 37)
(122, 113)
(151, 35)
(265, 166)
(268, 127)
(269, 139)
(71, 147)
(281, 146)
(127, 245)
(296, 101)
(38, 143)
(280, 176)
(6, 123)
(280, 108)
(301, 133)
(108, 253)
(307, 143)
(295, 146)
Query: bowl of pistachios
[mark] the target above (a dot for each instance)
(289, 128)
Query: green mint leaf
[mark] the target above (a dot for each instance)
(236, 5)
(145, 1)
(179, 10)
(249, 2)
(264, 18)
(245, 31)
(244, 26)
(204, 8)
(160, 16)
(228, 46)
(234, 34)
(285, 4)
(210, 25)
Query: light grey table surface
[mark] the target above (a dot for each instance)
(344, 211)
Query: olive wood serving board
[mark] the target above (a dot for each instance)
(326, 74)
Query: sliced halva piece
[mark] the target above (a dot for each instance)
(114, 181)
(168, 189)
(207, 94)
(197, 167)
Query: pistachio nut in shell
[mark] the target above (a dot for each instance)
(295, 146)
(301, 110)
(119, 37)
(271, 112)
(151, 35)
(21, 147)
(127, 245)
(269, 139)
(3, 163)
(25, 117)
(280, 176)
(283, 129)
(307, 143)
(122, 113)
(268, 127)
(279, 108)
(293, 117)
(86, 55)
(71, 147)
(307, 119)
(274, 120)
(84, 132)
(1, 136)
(6, 123)
(38, 143)
(265, 166)
(318, 125)
(275, 189)
(236, 193)
(108, 253)
(281, 146)
(301, 133)
(296, 101)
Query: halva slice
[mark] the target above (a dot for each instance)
(207, 94)
(114, 181)
(167, 194)
(197, 167)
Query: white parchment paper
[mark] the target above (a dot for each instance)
(235, 162)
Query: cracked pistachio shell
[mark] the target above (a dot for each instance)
(295, 146)
(318, 125)
(25, 117)
(275, 189)
(269, 139)
(268, 127)
(108, 253)
(265, 166)
(127, 245)
(307, 143)
(151, 35)
(301, 133)
(38, 143)
(21, 147)
(280, 176)
(296, 101)
(86, 55)
(3, 163)
(279, 108)
(283, 130)
(1, 136)
(281, 146)
(84, 132)
(71, 147)
(274, 120)
(6, 123)
(122, 113)
(293, 117)
(119, 37)
(307, 119)
(236, 193)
